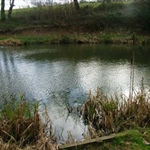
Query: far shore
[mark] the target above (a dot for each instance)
(44, 35)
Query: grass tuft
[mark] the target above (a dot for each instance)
(114, 114)
(21, 127)
(10, 42)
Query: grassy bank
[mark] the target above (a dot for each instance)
(63, 37)
(137, 139)
(91, 17)
(93, 23)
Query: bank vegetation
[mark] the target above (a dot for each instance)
(23, 127)
(94, 22)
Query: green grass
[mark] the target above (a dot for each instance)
(133, 140)
(93, 23)
(67, 38)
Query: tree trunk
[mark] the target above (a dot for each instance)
(76, 4)
(3, 17)
(10, 8)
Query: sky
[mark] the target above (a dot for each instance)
(27, 3)
(19, 4)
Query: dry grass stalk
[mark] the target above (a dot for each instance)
(113, 114)
(10, 42)
(22, 128)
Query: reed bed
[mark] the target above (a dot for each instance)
(21, 128)
(110, 114)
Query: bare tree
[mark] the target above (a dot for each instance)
(11, 2)
(76, 4)
(3, 16)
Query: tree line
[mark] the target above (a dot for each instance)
(144, 6)
(11, 5)
(45, 2)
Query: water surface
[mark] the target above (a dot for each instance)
(62, 76)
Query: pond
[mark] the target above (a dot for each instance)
(61, 77)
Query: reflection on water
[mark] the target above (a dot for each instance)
(61, 76)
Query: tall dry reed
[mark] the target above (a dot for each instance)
(108, 114)
(21, 128)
